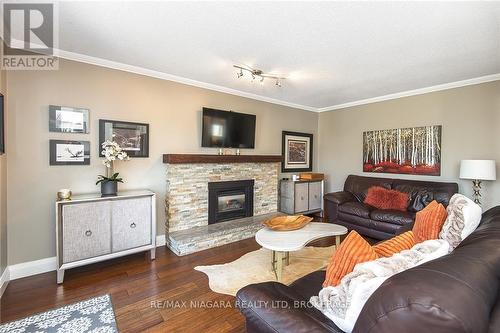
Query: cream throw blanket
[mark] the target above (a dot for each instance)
(343, 303)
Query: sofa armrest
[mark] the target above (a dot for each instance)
(332, 202)
(339, 197)
(272, 307)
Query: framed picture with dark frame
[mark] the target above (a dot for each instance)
(66, 119)
(297, 152)
(66, 152)
(133, 138)
(2, 127)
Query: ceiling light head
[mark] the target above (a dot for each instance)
(257, 73)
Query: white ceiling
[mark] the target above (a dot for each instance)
(334, 52)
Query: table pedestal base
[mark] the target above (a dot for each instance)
(281, 259)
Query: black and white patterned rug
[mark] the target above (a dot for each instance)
(94, 315)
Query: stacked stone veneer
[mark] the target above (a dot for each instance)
(187, 190)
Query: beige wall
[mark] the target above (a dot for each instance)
(3, 183)
(470, 117)
(172, 110)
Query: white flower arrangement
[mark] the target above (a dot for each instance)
(112, 152)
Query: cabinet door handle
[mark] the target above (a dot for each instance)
(133, 225)
(88, 233)
(302, 198)
(315, 196)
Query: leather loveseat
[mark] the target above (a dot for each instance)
(457, 293)
(347, 208)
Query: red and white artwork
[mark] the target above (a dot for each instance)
(415, 151)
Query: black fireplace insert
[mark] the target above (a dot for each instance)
(230, 200)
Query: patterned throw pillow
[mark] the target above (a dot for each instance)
(383, 198)
(463, 218)
(353, 250)
(388, 248)
(429, 222)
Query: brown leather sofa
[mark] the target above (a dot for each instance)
(457, 293)
(347, 207)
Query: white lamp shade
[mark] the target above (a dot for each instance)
(478, 169)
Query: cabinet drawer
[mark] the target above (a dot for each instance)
(131, 223)
(314, 195)
(86, 230)
(301, 197)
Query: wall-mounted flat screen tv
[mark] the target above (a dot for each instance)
(227, 129)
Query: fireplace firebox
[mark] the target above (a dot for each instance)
(230, 200)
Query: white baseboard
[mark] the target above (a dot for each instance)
(32, 268)
(4, 280)
(46, 265)
(160, 240)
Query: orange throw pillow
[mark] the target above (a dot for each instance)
(388, 248)
(383, 198)
(353, 250)
(429, 222)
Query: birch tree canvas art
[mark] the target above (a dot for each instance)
(415, 151)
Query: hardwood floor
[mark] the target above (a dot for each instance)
(137, 287)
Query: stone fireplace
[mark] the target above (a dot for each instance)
(230, 200)
(210, 204)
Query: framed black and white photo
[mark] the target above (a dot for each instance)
(64, 152)
(66, 119)
(297, 151)
(133, 138)
(2, 127)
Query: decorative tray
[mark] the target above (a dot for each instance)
(287, 223)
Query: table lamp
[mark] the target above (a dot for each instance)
(477, 171)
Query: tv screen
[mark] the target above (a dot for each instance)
(227, 129)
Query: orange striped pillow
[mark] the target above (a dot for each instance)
(429, 222)
(353, 250)
(388, 248)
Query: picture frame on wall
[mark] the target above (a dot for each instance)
(297, 152)
(133, 138)
(68, 152)
(65, 119)
(410, 151)
(2, 126)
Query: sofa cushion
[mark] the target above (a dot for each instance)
(392, 216)
(429, 222)
(423, 192)
(395, 245)
(352, 251)
(382, 198)
(355, 208)
(358, 185)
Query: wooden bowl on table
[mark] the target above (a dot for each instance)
(287, 223)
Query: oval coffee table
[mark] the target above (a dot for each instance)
(283, 242)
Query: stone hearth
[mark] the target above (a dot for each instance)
(187, 203)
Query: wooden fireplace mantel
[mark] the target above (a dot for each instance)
(203, 158)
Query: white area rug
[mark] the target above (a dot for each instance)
(255, 267)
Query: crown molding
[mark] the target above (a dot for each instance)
(164, 76)
(169, 77)
(439, 87)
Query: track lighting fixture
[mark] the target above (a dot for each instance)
(257, 73)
